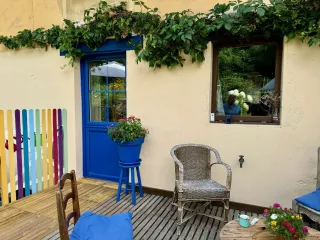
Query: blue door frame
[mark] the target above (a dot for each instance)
(100, 157)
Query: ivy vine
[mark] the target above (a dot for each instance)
(168, 39)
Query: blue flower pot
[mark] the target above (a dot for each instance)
(129, 152)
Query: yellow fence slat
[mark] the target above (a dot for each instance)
(3, 162)
(49, 118)
(44, 149)
(11, 156)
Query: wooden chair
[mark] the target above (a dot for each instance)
(62, 201)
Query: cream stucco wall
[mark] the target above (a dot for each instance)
(280, 161)
(33, 79)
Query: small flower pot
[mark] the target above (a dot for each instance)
(129, 152)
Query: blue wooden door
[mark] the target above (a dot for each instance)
(104, 103)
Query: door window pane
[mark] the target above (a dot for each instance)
(117, 106)
(97, 81)
(107, 90)
(98, 106)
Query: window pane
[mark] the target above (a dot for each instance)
(97, 77)
(117, 103)
(107, 90)
(246, 80)
(98, 106)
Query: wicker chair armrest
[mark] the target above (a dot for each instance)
(229, 173)
(181, 171)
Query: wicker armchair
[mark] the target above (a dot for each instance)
(313, 214)
(193, 180)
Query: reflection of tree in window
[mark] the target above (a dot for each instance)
(116, 100)
(247, 69)
(108, 96)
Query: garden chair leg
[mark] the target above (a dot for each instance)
(173, 199)
(180, 216)
(226, 210)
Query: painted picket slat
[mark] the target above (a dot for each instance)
(44, 149)
(55, 145)
(49, 118)
(3, 162)
(19, 153)
(60, 143)
(65, 139)
(11, 156)
(39, 139)
(26, 152)
(38, 148)
(32, 152)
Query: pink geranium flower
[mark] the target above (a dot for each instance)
(276, 205)
(305, 229)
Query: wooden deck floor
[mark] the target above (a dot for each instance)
(153, 219)
(35, 217)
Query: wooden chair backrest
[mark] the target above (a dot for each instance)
(62, 202)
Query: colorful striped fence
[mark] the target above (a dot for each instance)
(33, 151)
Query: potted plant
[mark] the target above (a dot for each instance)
(129, 136)
(283, 223)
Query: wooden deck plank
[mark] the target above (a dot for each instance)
(208, 226)
(215, 227)
(145, 211)
(202, 225)
(186, 226)
(195, 226)
(161, 225)
(147, 223)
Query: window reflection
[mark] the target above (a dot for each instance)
(107, 90)
(246, 81)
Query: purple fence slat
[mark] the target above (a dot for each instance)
(19, 154)
(60, 143)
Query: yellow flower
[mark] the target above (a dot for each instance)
(292, 216)
(273, 223)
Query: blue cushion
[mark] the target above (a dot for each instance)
(96, 227)
(311, 200)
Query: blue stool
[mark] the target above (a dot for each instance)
(125, 168)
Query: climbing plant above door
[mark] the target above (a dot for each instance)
(177, 33)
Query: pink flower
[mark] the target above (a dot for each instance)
(276, 205)
(265, 214)
(305, 229)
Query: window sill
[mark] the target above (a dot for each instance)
(249, 123)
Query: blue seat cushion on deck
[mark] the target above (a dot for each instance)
(311, 200)
(97, 227)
